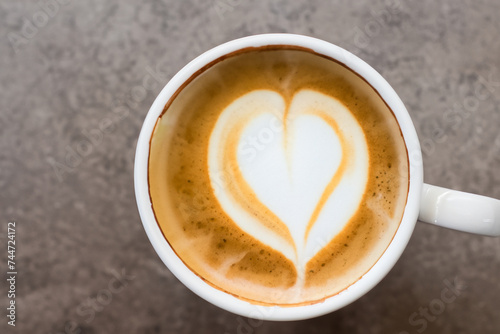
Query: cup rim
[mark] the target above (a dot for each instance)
(225, 300)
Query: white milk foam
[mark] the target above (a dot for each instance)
(305, 157)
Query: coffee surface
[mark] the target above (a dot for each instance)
(278, 175)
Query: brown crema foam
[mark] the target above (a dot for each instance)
(207, 240)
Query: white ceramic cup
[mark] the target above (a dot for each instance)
(427, 203)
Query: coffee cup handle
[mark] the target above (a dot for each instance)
(460, 210)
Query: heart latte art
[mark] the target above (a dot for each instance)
(278, 175)
(290, 195)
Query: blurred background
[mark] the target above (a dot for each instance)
(76, 81)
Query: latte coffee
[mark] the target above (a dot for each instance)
(278, 175)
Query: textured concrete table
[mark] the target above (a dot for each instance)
(70, 69)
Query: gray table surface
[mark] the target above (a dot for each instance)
(65, 68)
